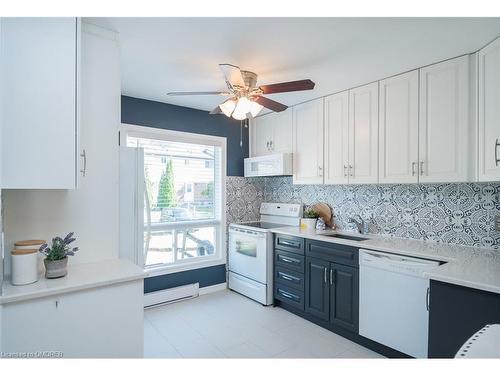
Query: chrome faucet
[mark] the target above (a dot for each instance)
(361, 224)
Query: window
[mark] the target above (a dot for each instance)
(184, 208)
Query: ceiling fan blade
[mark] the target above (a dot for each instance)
(233, 76)
(304, 84)
(216, 111)
(181, 93)
(270, 104)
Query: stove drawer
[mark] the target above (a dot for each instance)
(289, 278)
(289, 260)
(289, 296)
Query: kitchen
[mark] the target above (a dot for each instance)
(339, 207)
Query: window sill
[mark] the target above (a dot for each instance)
(174, 268)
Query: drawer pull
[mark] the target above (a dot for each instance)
(288, 295)
(289, 243)
(289, 260)
(287, 277)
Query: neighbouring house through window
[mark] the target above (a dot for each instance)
(185, 186)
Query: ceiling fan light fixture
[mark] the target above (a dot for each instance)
(255, 108)
(228, 107)
(242, 108)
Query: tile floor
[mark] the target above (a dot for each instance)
(228, 325)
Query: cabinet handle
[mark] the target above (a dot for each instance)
(289, 260)
(497, 160)
(345, 170)
(287, 277)
(331, 276)
(427, 299)
(267, 145)
(83, 171)
(57, 304)
(271, 146)
(326, 271)
(351, 173)
(413, 168)
(320, 171)
(288, 295)
(421, 168)
(288, 243)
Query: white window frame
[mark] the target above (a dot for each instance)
(176, 136)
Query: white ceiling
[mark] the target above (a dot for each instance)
(159, 55)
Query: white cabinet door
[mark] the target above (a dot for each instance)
(444, 122)
(39, 87)
(363, 134)
(282, 132)
(261, 136)
(489, 112)
(398, 129)
(308, 142)
(337, 138)
(104, 322)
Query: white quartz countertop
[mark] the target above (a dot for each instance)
(80, 277)
(467, 266)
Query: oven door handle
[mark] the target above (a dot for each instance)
(246, 232)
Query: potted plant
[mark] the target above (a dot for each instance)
(308, 222)
(56, 256)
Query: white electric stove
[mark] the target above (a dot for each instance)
(250, 260)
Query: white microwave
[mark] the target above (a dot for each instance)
(269, 165)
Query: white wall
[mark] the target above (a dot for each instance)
(92, 210)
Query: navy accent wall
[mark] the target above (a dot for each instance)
(205, 276)
(173, 117)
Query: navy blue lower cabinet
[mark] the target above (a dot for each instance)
(319, 281)
(455, 314)
(344, 296)
(317, 288)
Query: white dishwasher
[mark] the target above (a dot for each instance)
(394, 301)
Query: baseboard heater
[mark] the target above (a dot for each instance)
(165, 296)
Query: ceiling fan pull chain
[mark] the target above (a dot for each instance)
(241, 133)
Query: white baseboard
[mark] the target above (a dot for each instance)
(212, 288)
(180, 293)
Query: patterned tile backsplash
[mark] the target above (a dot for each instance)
(460, 213)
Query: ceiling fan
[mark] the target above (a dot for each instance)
(247, 99)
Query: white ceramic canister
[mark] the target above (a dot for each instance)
(24, 268)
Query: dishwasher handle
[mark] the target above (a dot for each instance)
(385, 259)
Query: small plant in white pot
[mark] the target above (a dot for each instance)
(56, 256)
(308, 222)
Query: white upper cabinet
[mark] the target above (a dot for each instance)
(308, 143)
(272, 133)
(282, 132)
(363, 134)
(337, 138)
(398, 129)
(489, 112)
(261, 130)
(39, 94)
(444, 141)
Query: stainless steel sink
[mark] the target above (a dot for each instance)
(345, 237)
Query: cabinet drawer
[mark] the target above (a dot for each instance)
(332, 252)
(289, 243)
(288, 277)
(289, 260)
(289, 296)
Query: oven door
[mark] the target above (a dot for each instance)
(248, 253)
